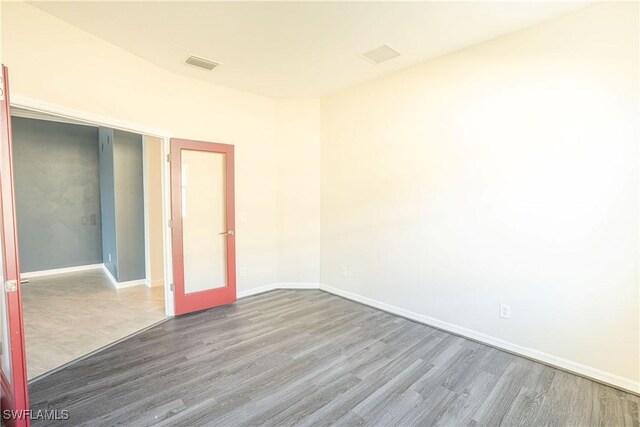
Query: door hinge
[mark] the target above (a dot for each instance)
(168, 157)
(172, 287)
(11, 286)
(170, 223)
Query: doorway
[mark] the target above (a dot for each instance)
(203, 224)
(217, 197)
(89, 214)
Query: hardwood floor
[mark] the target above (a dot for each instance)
(310, 358)
(69, 315)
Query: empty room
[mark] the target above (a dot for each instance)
(82, 213)
(323, 213)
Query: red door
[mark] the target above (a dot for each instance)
(14, 369)
(202, 216)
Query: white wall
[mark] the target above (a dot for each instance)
(1, 18)
(277, 142)
(503, 173)
(153, 195)
(52, 61)
(298, 160)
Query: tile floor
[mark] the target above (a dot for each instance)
(69, 315)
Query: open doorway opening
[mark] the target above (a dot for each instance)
(89, 202)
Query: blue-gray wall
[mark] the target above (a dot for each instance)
(57, 194)
(129, 192)
(122, 195)
(107, 201)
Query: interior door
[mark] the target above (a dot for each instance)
(202, 221)
(14, 369)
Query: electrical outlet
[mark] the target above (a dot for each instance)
(109, 257)
(344, 271)
(242, 272)
(243, 217)
(505, 311)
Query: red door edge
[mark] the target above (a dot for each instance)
(11, 268)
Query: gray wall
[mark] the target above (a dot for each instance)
(57, 194)
(107, 201)
(129, 198)
(122, 195)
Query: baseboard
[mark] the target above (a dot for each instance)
(130, 283)
(109, 275)
(529, 353)
(538, 356)
(153, 283)
(255, 291)
(296, 285)
(277, 285)
(30, 274)
(122, 285)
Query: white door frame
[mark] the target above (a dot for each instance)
(99, 120)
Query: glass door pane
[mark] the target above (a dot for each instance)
(203, 220)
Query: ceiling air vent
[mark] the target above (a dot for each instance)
(380, 54)
(201, 62)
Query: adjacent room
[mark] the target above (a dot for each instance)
(335, 213)
(82, 217)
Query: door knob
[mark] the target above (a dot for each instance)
(228, 233)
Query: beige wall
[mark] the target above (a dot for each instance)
(503, 173)
(1, 18)
(298, 160)
(153, 194)
(54, 62)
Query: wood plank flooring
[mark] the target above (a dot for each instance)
(309, 358)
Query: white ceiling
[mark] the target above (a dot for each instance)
(297, 49)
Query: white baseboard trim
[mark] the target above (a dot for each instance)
(153, 283)
(296, 285)
(131, 283)
(30, 274)
(122, 285)
(529, 353)
(278, 285)
(109, 275)
(255, 291)
(538, 356)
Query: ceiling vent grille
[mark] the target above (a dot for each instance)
(201, 63)
(380, 54)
